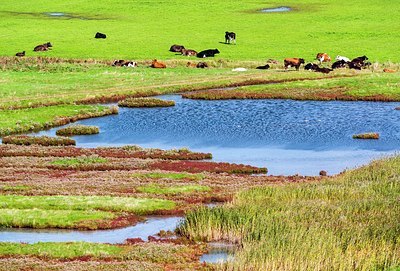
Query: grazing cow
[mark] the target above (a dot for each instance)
(123, 63)
(346, 59)
(293, 62)
(158, 65)
(264, 67)
(339, 64)
(100, 36)
(229, 37)
(188, 52)
(43, 47)
(176, 48)
(201, 65)
(323, 57)
(20, 54)
(207, 53)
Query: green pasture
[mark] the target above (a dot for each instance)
(349, 222)
(146, 29)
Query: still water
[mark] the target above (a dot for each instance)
(288, 137)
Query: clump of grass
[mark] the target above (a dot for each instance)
(366, 136)
(78, 130)
(145, 102)
(170, 175)
(78, 161)
(60, 250)
(12, 188)
(157, 189)
(343, 223)
(38, 140)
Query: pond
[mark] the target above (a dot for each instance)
(151, 226)
(288, 137)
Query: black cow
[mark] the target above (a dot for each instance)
(230, 36)
(20, 54)
(176, 48)
(311, 67)
(43, 47)
(339, 64)
(265, 67)
(201, 65)
(207, 53)
(359, 62)
(100, 35)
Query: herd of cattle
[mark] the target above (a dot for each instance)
(357, 63)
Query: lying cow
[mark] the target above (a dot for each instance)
(100, 36)
(208, 53)
(158, 65)
(123, 63)
(176, 48)
(293, 62)
(20, 54)
(323, 57)
(316, 68)
(264, 67)
(359, 62)
(229, 37)
(339, 58)
(188, 52)
(200, 65)
(339, 64)
(43, 47)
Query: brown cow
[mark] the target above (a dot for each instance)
(188, 52)
(323, 57)
(43, 47)
(293, 62)
(158, 65)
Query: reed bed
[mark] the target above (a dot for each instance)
(145, 102)
(38, 140)
(78, 130)
(366, 136)
(350, 222)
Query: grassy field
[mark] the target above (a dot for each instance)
(350, 222)
(139, 30)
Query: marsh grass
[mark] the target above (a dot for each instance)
(157, 189)
(366, 136)
(78, 161)
(170, 176)
(145, 102)
(349, 222)
(38, 140)
(61, 250)
(78, 130)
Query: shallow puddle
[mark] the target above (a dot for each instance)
(277, 9)
(142, 230)
(219, 253)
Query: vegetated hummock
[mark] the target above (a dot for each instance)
(145, 102)
(347, 222)
(366, 136)
(78, 130)
(38, 140)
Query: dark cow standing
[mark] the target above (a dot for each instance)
(229, 37)
(176, 48)
(43, 47)
(100, 35)
(208, 53)
(20, 54)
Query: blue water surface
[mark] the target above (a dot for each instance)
(288, 137)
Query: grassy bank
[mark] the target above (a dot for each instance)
(89, 212)
(345, 223)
